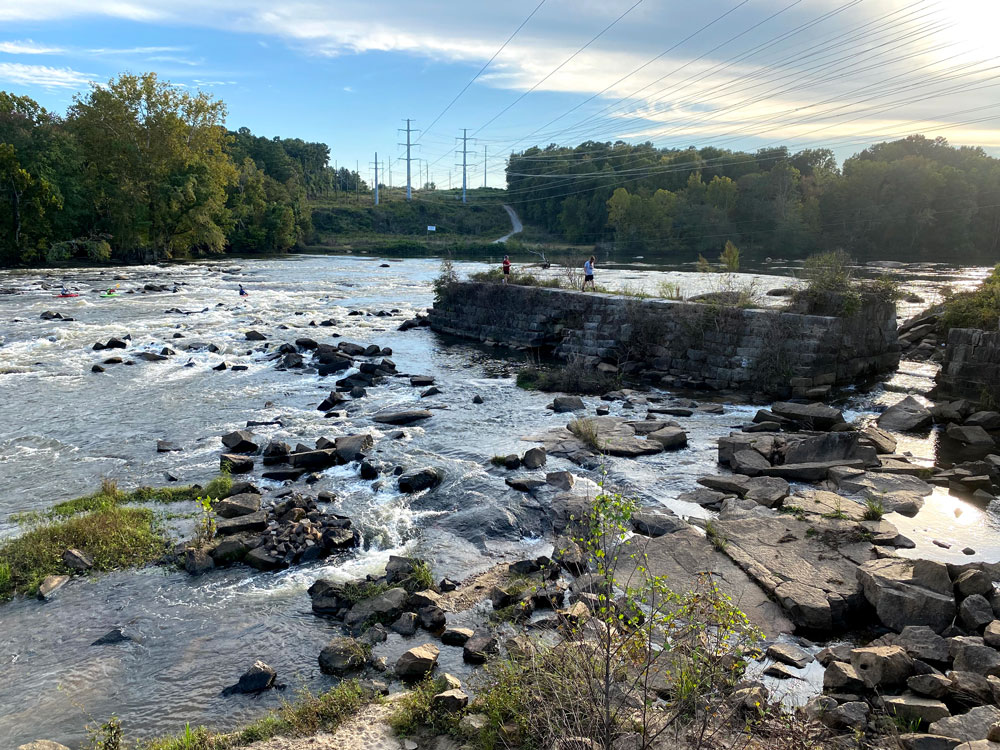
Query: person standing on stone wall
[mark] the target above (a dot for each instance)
(588, 274)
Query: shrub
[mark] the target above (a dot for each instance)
(586, 431)
(874, 509)
(414, 710)
(976, 309)
(572, 378)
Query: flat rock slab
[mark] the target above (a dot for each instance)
(790, 654)
(814, 471)
(815, 583)
(402, 417)
(817, 416)
(685, 556)
(614, 436)
(968, 727)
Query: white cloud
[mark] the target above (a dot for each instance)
(43, 75)
(28, 47)
(134, 50)
(348, 89)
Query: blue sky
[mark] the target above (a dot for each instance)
(730, 73)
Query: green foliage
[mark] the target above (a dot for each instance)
(669, 290)
(445, 279)
(717, 538)
(832, 288)
(976, 309)
(422, 578)
(108, 736)
(521, 278)
(305, 717)
(874, 509)
(499, 461)
(916, 196)
(115, 537)
(414, 710)
(568, 379)
(586, 432)
(205, 528)
(829, 272)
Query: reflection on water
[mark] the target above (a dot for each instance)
(65, 428)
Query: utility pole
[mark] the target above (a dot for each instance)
(465, 162)
(357, 180)
(376, 178)
(408, 129)
(484, 165)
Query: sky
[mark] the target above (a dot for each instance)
(734, 74)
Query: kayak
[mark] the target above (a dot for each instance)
(110, 295)
(66, 295)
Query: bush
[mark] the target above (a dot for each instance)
(573, 378)
(976, 309)
(414, 710)
(521, 278)
(832, 289)
(586, 431)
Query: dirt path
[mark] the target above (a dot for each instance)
(515, 223)
(365, 730)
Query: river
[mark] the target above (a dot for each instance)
(64, 428)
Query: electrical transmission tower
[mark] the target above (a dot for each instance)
(484, 165)
(465, 162)
(408, 130)
(376, 178)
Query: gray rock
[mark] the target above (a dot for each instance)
(973, 581)
(77, 560)
(840, 677)
(852, 715)
(909, 415)
(656, 523)
(730, 485)
(991, 636)
(916, 708)
(386, 607)
(923, 643)
(563, 404)
(671, 438)
(197, 561)
(971, 654)
(749, 462)
(767, 491)
(450, 701)
(405, 624)
(480, 647)
(456, 636)
(235, 506)
(418, 662)
(417, 480)
(930, 685)
(258, 678)
(969, 689)
(968, 727)
(832, 446)
(250, 522)
(402, 417)
(789, 654)
(50, 585)
(969, 435)
(908, 592)
(42, 744)
(882, 666)
(816, 416)
(342, 655)
(240, 441)
(113, 638)
(975, 612)
(534, 458)
(916, 741)
(988, 420)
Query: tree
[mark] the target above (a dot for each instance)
(156, 166)
(27, 201)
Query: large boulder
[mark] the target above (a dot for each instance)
(240, 441)
(237, 505)
(882, 666)
(816, 416)
(969, 435)
(968, 727)
(971, 654)
(258, 678)
(238, 524)
(909, 592)
(909, 415)
(408, 416)
(833, 446)
(385, 607)
(563, 404)
(915, 708)
(418, 662)
(416, 480)
(342, 655)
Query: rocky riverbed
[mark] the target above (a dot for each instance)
(314, 369)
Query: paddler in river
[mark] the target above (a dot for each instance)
(243, 292)
(65, 291)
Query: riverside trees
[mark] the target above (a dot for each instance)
(916, 197)
(140, 170)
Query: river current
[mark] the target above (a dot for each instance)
(64, 428)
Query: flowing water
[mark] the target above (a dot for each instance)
(64, 428)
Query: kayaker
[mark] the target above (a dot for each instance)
(243, 292)
(64, 292)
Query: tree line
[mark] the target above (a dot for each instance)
(139, 170)
(913, 198)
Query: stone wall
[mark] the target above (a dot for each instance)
(971, 368)
(678, 343)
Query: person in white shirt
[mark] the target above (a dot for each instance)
(588, 274)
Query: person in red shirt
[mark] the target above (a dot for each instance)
(506, 269)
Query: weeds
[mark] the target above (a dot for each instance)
(979, 308)
(306, 716)
(586, 432)
(717, 538)
(874, 509)
(498, 461)
(422, 578)
(669, 290)
(573, 378)
(414, 710)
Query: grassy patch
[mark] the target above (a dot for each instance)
(358, 591)
(586, 432)
(304, 717)
(498, 461)
(874, 509)
(573, 379)
(520, 278)
(414, 711)
(115, 537)
(421, 577)
(716, 537)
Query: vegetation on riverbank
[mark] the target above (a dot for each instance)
(305, 716)
(979, 308)
(99, 525)
(916, 195)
